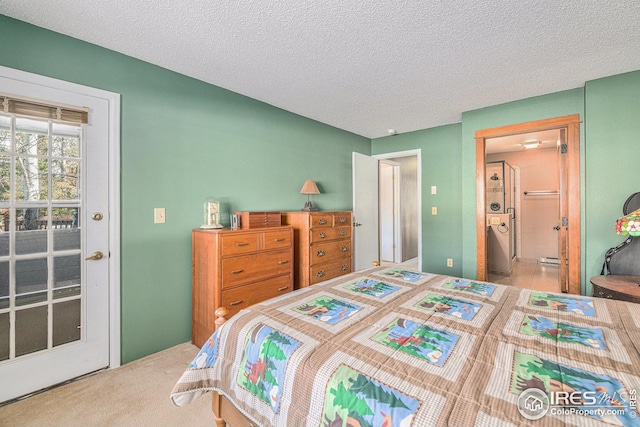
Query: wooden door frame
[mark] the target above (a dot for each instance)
(572, 125)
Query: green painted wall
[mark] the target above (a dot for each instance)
(612, 160)
(181, 141)
(538, 108)
(440, 152)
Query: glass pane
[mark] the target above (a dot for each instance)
(4, 237)
(31, 230)
(4, 284)
(66, 229)
(31, 178)
(65, 180)
(31, 137)
(66, 140)
(31, 330)
(31, 281)
(66, 322)
(5, 133)
(4, 336)
(66, 276)
(5, 178)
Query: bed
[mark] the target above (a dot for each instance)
(391, 347)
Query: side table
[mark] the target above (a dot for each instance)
(624, 288)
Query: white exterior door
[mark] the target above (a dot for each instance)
(56, 273)
(366, 234)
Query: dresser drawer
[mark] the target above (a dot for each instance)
(321, 220)
(342, 219)
(328, 271)
(239, 244)
(241, 297)
(249, 268)
(277, 239)
(323, 234)
(259, 219)
(324, 252)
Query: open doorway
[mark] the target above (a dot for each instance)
(568, 206)
(406, 229)
(522, 191)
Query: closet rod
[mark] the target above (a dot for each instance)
(541, 193)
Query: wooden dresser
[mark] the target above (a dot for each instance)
(322, 245)
(235, 269)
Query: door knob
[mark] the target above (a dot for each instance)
(356, 224)
(97, 255)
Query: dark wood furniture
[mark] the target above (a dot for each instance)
(235, 269)
(624, 288)
(322, 245)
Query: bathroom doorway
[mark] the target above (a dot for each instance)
(522, 191)
(565, 221)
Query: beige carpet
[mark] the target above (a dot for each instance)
(136, 394)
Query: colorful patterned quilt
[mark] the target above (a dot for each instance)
(389, 347)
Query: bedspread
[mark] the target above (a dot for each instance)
(390, 347)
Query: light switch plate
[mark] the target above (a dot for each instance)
(434, 189)
(158, 215)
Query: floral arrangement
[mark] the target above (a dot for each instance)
(629, 224)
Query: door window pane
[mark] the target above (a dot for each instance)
(66, 322)
(32, 137)
(66, 140)
(31, 231)
(4, 336)
(4, 284)
(5, 133)
(31, 330)
(5, 178)
(31, 281)
(31, 179)
(66, 229)
(65, 180)
(5, 225)
(66, 276)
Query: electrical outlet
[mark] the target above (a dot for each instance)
(158, 216)
(434, 210)
(449, 262)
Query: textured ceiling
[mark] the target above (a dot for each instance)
(364, 66)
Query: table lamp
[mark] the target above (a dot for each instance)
(309, 188)
(629, 224)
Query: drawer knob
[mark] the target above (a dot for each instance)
(284, 288)
(342, 220)
(320, 253)
(320, 273)
(283, 262)
(235, 303)
(344, 267)
(279, 240)
(237, 271)
(343, 233)
(322, 235)
(322, 221)
(345, 248)
(241, 244)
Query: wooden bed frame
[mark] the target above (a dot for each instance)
(224, 412)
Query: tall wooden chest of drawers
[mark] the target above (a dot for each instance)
(322, 245)
(235, 269)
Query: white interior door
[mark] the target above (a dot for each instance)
(55, 266)
(366, 237)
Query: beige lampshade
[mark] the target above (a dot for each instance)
(309, 187)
